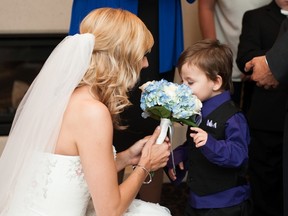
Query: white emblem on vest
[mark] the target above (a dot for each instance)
(209, 123)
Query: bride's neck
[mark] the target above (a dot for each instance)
(86, 90)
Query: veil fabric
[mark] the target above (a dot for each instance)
(38, 118)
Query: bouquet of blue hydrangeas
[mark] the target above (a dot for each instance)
(169, 102)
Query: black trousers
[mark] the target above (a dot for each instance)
(265, 172)
(285, 167)
(242, 94)
(243, 209)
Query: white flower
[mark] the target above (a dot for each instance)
(142, 87)
(198, 104)
(170, 91)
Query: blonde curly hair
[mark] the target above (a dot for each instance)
(121, 41)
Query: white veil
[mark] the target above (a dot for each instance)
(38, 118)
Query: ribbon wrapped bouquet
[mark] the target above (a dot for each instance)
(169, 102)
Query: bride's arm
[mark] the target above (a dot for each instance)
(131, 155)
(94, 143)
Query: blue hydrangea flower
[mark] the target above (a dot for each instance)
(163, 99)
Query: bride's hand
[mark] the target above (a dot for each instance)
(135, 150)
(155, 156)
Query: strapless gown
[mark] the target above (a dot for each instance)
(60, 189)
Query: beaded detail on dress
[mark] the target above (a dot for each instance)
(58, 188)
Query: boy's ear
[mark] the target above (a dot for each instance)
(218, 83)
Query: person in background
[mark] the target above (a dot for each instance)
(164, 19)
(269, 71)
(215, 154)
(222, 19)
(59, 152)
(260, 28)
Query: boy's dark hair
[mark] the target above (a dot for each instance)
(213, 58)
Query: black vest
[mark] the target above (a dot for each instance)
(205, 177)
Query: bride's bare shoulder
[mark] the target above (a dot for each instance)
(83, 117)
(84, 106)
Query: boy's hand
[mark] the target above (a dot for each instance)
(171, 172)
(199, 136)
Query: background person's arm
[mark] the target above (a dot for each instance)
(277, 58)
(206, 10)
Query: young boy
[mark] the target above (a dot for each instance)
(215, 154)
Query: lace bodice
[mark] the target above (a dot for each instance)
(59, 188)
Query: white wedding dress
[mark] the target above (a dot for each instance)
(60, 189)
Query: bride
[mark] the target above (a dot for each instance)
(59, 153)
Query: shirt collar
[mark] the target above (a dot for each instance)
(212, 103)
(284, 12)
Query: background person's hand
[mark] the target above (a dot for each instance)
(261, 72)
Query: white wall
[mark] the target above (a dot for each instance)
(2, 143)
(190, 22)
(35, 16)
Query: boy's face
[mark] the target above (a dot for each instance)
(196, 79)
